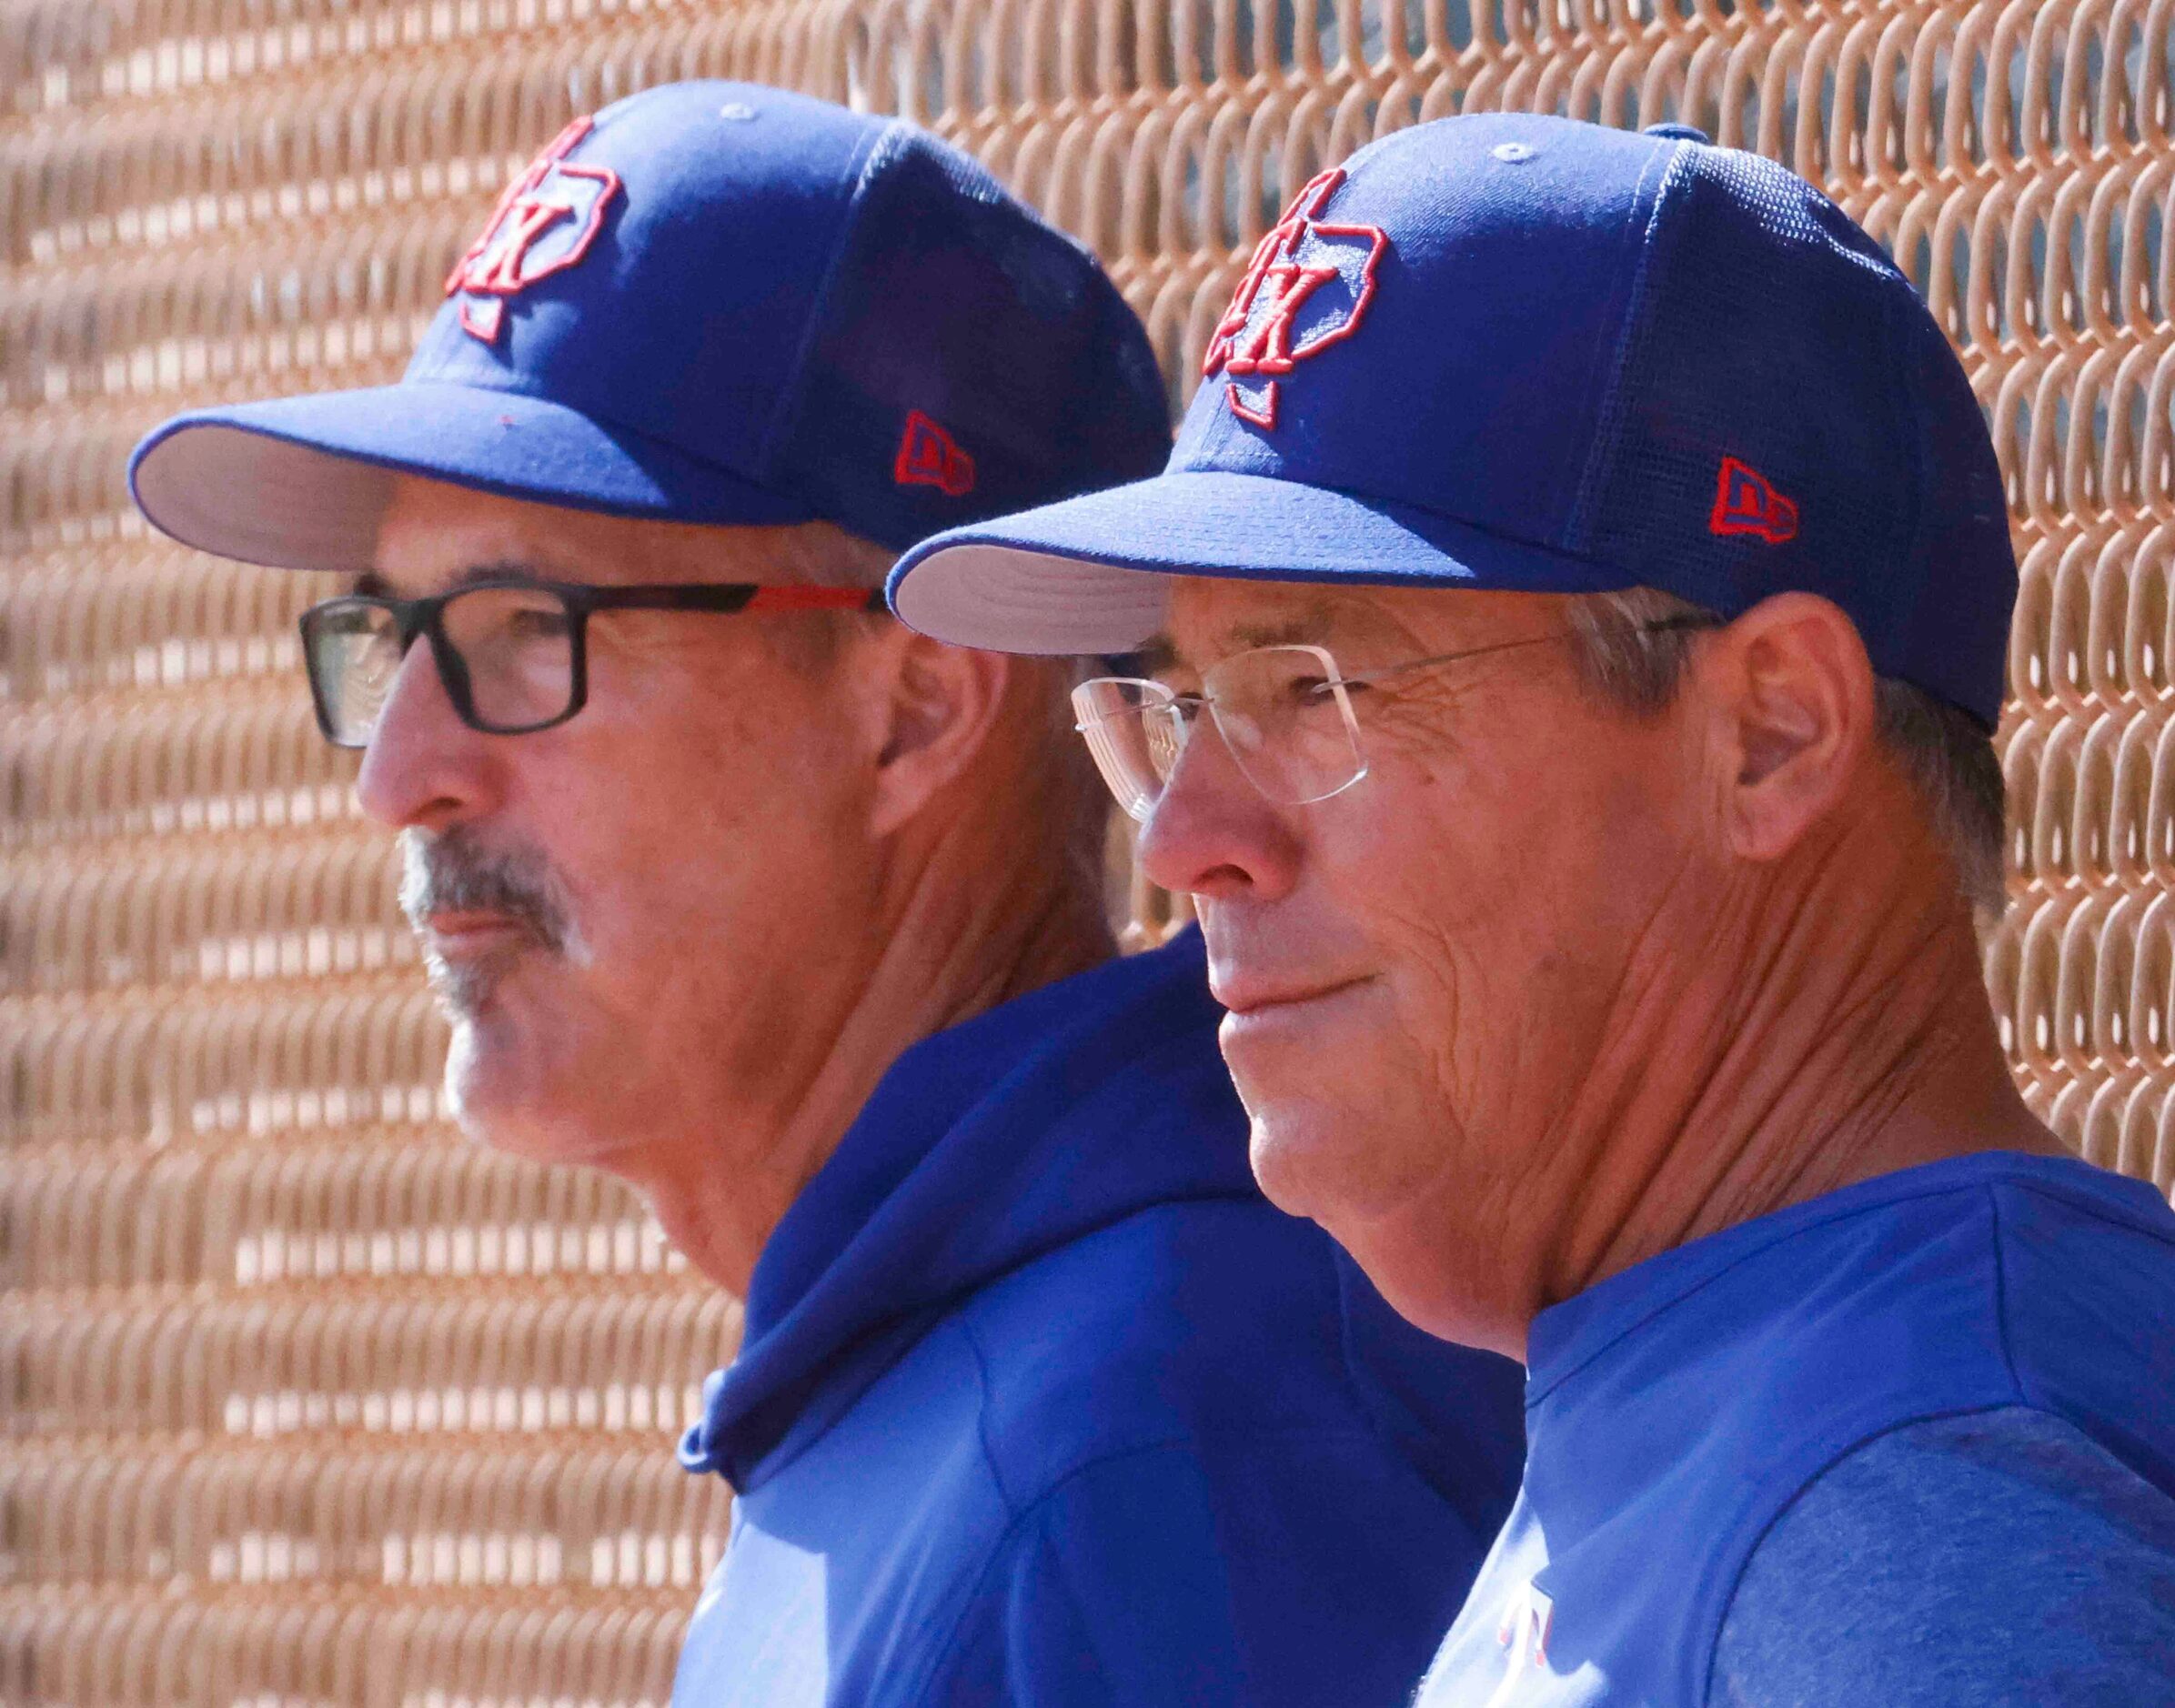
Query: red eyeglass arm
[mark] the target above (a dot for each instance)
(804, 598)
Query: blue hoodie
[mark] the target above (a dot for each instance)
(1040, 1402)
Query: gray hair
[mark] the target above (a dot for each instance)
(1947, 759)
(823, 555)
(820, 555)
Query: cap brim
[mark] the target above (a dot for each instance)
(301, 483)
(1090, 575)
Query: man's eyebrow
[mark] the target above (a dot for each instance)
(1304, 626)
(1153, 657)
(373, 583)
(1290, 632)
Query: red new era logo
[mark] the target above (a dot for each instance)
(928, 457)
(1745, 502)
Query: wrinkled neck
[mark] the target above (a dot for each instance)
(971, 909)
(1833, 1027)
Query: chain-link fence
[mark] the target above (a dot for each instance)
(302, 1399)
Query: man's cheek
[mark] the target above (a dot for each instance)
(1443, 918)
(1439, 1000)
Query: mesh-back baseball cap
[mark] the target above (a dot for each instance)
(711, 302)
(1527, 353)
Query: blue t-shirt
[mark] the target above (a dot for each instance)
(1040, 1403)
(1820, 1457)
(2002, 1559)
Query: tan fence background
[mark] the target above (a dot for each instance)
(302, 1400)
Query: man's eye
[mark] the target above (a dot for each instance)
(537, 623)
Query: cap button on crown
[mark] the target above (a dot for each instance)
(1679, 133)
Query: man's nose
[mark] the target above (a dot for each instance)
(1214, 834)
(424, 767)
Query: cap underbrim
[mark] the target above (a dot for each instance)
(301, 483)
(1090, 575)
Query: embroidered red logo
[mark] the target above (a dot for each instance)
(928, 457)
(1745, 502)
(543, 223)
(1307, 286)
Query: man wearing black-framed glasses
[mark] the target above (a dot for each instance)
(511, 651)
(791, 917)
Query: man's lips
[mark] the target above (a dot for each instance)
(463, 935)
(1244, 997)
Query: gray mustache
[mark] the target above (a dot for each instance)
(450, 871)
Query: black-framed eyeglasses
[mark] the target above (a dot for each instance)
(512, 653)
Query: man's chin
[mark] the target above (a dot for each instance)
(467, 988)
(1295, 1161)
(1299, 1138)
(516, 1098)
(1339, 1163)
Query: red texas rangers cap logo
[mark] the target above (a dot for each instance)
(1307, 286)
(543, 224)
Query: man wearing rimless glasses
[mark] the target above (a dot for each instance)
(793, 918)
(1575, 725)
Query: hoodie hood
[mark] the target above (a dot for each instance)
(982, 1149)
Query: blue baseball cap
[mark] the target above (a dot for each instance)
(1525, 353)
(711, 302)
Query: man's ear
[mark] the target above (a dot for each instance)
(944, 701)
(1788, 692)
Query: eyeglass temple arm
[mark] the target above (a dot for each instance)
(734, 597)
(1512, 645)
